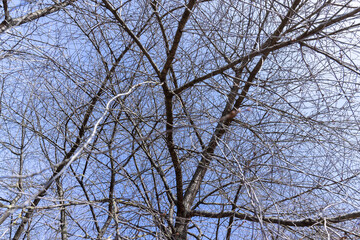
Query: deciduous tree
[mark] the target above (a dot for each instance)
(206, 119)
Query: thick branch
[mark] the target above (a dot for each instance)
(6, 24)
(295, 223)
(227, 118)
(178, 34)
(220, 130)
(6, 11)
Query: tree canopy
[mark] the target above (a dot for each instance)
(153, 119)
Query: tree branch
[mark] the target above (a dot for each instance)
(8, 23)
(295, 223)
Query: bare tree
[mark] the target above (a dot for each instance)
(205, 119)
